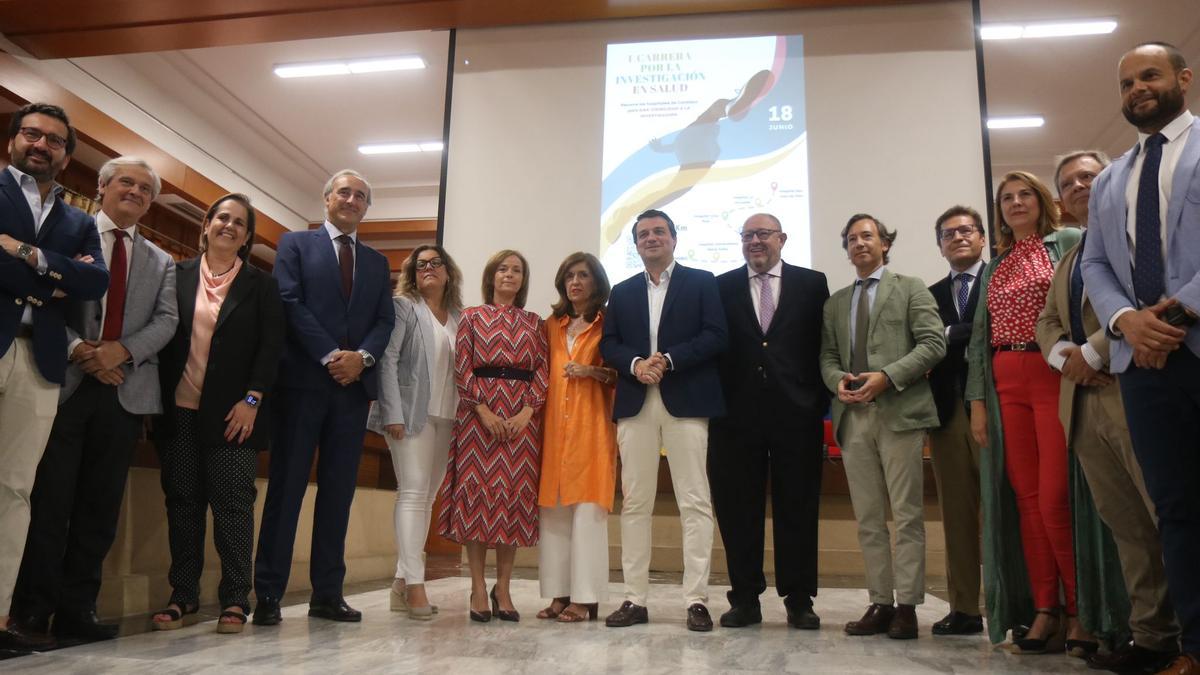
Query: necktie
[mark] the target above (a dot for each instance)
(964, 291)
(1148, 263)
(1075, 310)
(114, 304)
(862, 317)
(766, 302)
(346, 263)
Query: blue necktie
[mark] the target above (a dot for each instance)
(1075, 309)
(964, 291)
(1147, 262)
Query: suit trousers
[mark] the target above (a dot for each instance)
(778, 443)
(956, 470)
(573, 552)
(686, 440)
(28, 403)
(420, 464)
(335, 419)
(1105, 453)
(76, 501)
(1163, 409)
(884, 467)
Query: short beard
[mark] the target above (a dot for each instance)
(1170, 104)
(40, 175)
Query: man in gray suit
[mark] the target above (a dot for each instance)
(111, 382)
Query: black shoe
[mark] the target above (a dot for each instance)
(800, 613)
(267, 613)
(503, 614)
(1130, 658)
(26, 634)
(740, 616)
(627, 615)
(698, 618)
(334, 609)
(83, 625)
(958, 623)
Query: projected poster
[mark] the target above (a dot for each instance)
(711, 132)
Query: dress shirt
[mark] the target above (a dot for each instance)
(656, 294)
(108, 237)
(872, 291)
(974, 270)
(40, 210)
(1057, 359)
(775, 273)
(334, 233)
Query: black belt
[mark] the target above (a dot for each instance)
(1019, 347)
(504, 373)
(24, 331)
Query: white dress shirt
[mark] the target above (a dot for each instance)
(775, 280)
(443, 394)
(334, 233)
(956, 281)
(40, 210)
(656, 294)
(108, 238)
(1057, 358)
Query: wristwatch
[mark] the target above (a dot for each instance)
(252, 400)
(368, 360)
(24, 251)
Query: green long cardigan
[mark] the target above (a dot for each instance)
(1101, 597)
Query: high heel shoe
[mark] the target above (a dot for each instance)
(1052, 642)
(568, 616)
(482, 617)
(398, 600)
(1080, 649)
(503, 614)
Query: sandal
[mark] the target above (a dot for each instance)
(235, 626)
(569, 616)
(1050, 643)
(552, 613)
(179, 617)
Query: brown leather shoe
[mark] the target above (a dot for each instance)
(1184, 664)
(627, 615)
(904, 623)
(877, 620)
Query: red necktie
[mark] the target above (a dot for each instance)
(346, 262)
(114, 307)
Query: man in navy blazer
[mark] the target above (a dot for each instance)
(663, 331)
(337, 298)
(40, 238)
(1141, 270)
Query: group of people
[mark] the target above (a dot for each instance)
(1058, 385)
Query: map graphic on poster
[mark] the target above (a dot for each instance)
(711, 132)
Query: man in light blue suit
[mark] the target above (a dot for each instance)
(1141, 268)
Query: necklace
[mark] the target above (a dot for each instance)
(218, 276)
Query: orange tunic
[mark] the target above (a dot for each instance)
(579, 448)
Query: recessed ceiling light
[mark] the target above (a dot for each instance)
(1047, 29)
(1023, 122)
(358, 66)
(393, 148)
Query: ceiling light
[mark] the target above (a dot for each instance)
(1047, 29)
(348, 67)
(1024, 122)
(394, 148)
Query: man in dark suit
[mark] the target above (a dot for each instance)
(961, 238)
(774, 425)
(40, 237)
(111, 383)
(663, 331)
(337, 298)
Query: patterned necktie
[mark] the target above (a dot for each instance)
(964, 292)
(1148, 282)
(346, 262)
(862, 318)
(114, 304)
(1075, 308)
(766, 302)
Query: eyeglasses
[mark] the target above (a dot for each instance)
(955, 232)
(432, 263)
(761, 235)
(34, 135)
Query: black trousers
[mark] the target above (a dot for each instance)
(76, 501)
(194, 479)
(743, 450)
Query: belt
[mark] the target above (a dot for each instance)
(1019, 347)
(24, 331)
(504, 373)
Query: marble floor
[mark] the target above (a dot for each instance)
(392, 643)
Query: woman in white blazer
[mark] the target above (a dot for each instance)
(416, 407)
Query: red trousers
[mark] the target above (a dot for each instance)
(1035, 459)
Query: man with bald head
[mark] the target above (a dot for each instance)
(776, 403)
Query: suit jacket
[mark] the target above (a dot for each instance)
(66, 233)
(1054, 325)
(319, 319)
(404, 377)
(151, 314)
(949, 378)
(1107, 268)
(904, 340)
(691, 329)
(785, 362)
(242, 356)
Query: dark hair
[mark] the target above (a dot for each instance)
(954, 212)
(599, 299)
(489, 277)
(244, 251)
(408, 276)
(1048, 219)
(1097, 155)
(1174, 56)
(653, 213)
(47, 109)
(888, 236)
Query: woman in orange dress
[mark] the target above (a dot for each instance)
(579, 447)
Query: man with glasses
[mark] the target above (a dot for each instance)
(48, 250)
(774, 426)
(955, 453)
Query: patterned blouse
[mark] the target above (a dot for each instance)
(1017, 292)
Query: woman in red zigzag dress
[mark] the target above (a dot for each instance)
(491, 489)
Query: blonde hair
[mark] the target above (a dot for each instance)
(1048, 216)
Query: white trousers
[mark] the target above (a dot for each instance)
(420, 464)
(573, 552)
(686, 440)
(28, 403)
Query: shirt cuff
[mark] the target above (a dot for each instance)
(947, 332)
(670, 363)
(328, 357)
(633, 365)
(1092, 357)
(1112, 323)
(1057, 360)
(71, 347)
(42, 265)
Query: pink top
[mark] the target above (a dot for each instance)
(1018, 290)
(210, 293)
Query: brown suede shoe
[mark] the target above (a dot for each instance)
(877, 620)
(904, 623)
(1184, 664)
